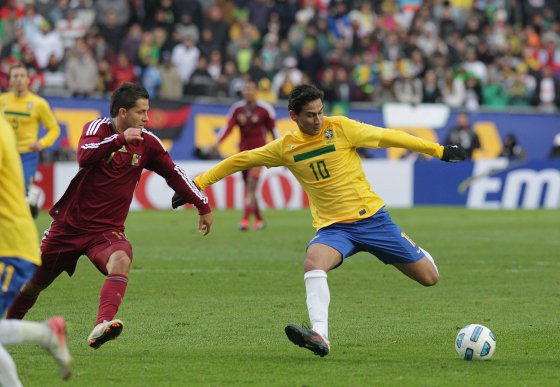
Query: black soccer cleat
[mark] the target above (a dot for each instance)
(307, 338)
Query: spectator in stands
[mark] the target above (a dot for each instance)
(309, 60)
(407, 88)
(201, 82)
(512, 150)
(185, 57)
(122, 72)
(547, 91)
(111, 29)
(170, 86)
(286, 79)
(70, 28)
(46, 44)
(555, 150)
(216, 23)
(31, 22)
(81, 71)
(463, 134)
(430, 89)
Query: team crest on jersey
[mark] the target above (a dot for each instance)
(135, 160)
(242, 119)
(329, 135)
(29, 105)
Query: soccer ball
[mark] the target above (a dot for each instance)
(475, 342)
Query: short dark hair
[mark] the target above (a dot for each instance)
(126, 96)
(301, 95)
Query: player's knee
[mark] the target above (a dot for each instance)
(119, 263)
(30, 289)
(429, 279)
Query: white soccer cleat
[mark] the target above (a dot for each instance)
(103, 332)
(58, 348)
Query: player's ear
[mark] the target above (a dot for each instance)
(293, 115)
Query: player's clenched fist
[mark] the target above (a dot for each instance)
(132, 135)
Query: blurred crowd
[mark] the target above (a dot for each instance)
(464, 53)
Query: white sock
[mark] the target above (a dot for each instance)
(8, 371)
(318, 299)
(20, 331)
(427, 255)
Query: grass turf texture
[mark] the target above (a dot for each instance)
(210, 311)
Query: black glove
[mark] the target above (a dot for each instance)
(177, 201)
(454, 153)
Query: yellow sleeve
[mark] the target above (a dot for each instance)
(48, 120)
(391, 138)
(360, 134)
(268, 156)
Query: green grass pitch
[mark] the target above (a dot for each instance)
(210, 311)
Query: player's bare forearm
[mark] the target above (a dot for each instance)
(398, 139)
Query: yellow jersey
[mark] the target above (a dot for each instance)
(24, 115)
(18, 234)
(327, 166)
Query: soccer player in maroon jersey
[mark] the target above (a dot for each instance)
(254, 118)
(89, 218)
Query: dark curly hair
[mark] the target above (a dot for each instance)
(301, 95)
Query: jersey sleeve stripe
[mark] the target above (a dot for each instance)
(191, 185)
(94, 145)
(94, 126)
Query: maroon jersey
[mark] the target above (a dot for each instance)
(253, 120)
(100, 194)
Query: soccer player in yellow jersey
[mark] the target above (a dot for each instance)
(348, 215)
(25, 111)
(19, 257)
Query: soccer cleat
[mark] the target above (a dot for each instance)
(103, 332)
(244, 225)
(308, 338)
(58, 348)
(259, 225)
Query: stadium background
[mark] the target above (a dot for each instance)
(374, 59)
(499, 183)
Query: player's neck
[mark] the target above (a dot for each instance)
(115, 124)
(20, 94)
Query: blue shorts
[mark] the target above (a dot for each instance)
(377, 235)
(30, 162)
(14, 272)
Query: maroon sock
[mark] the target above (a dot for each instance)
(257, 212)
(21, 306)
(112, 294)
(247, 211)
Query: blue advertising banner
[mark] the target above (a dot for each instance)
(489, 184)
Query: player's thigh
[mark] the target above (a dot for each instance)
(380, 236)
(105, 245)
(422, 271)
(14, 272)
(322, 257)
